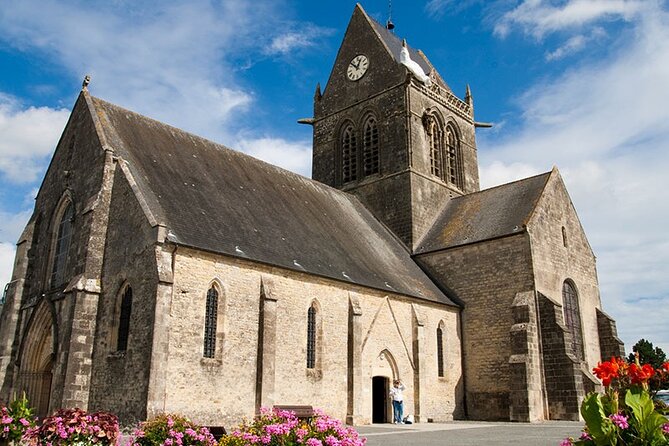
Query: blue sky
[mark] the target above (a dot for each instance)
(581, 84)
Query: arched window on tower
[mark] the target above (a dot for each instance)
(440, 350)
(435, 135)
(452, 163)
(349, 154)
(210, 323)
(572, 318)
(124, 320)
(62, 245)
(370, 146)
(311, 337)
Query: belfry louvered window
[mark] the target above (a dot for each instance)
(572, 318)
(210, 320)
(311, 337)
(371, 146)
(62, 246)
(349, 154)
(124, 320)
(440, 352)
(435, 136)
(453, 172)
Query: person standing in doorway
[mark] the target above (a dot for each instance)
(398, 401)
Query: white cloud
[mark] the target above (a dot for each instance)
(575, 44)
(7, 252)
(172, 60)
(437, 8)
(291, 41)
(571, 46)
(11, 226)
(29, 136)
(294, 156)
(606, 125)
(539, 17)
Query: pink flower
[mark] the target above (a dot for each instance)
(314, 442)
(585, 436)
(665, 427)
(619, 420)
(567, 442)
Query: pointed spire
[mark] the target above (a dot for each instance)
(87, 80)
(404, 43)
(317, 94)
(468, 97)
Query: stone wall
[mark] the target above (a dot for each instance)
(553, 262)
(609, 342)
(525, 367)
(486, 277)
(76, 173)
(120, 379)
(224, 389)
(564, 379)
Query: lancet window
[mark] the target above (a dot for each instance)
(452, 166)
(311, 337)
(349, 154)
(210, 321)
(371, 146)
(440, 351)
(124, 320)
(62, 245)
(572, 318)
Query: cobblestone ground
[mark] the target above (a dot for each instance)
(468, 433)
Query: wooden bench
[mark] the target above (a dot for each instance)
(301, 412)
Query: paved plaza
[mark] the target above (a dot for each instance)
(470, 433)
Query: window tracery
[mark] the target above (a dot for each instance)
(572, 318)
(210, 323)
(311, 337)
(371, 146)
(62, 245)
(349, 154)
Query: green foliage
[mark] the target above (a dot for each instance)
(647, 422)
(648, 354)
(15, 419)
(636, 424)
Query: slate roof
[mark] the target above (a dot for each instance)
(484, 215)
(223, 201)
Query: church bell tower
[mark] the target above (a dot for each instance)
(389, 130)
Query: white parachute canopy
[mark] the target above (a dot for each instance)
(412, 65)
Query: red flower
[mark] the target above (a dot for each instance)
(607, 371)
(640, 375)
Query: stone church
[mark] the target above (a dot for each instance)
(164, 272)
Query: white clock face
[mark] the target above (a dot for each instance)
(358, 67)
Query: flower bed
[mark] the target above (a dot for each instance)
(625, 414)
(279, 427)
(75, 427)
(171, 430)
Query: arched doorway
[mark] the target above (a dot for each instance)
(384, 370)
(380, 402)
(36, 363)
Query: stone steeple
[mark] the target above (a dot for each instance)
(388, 129)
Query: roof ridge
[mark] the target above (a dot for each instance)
(520, 180)
(228, 149)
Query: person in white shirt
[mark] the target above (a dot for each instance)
(398, 401)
